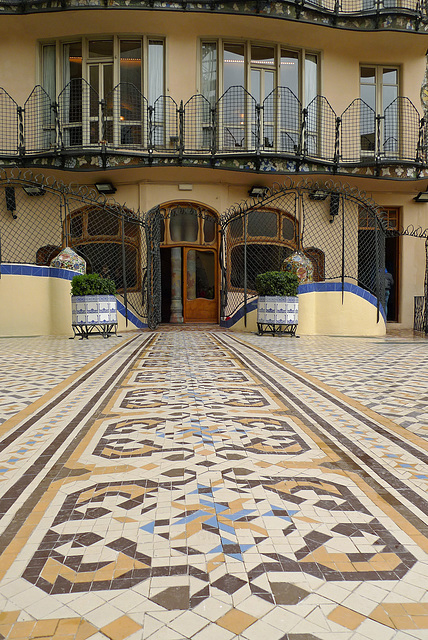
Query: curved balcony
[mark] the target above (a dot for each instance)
(81, 131)
(395, 15)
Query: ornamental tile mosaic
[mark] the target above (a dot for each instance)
(209, 485)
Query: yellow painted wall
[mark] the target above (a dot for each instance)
(322, 313)
(341, 54)
(32, 306)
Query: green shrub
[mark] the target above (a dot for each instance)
(92, 284)
(277, 283)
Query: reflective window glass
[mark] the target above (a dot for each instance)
(262, 223)
(184, 225)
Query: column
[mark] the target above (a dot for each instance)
(176, 298)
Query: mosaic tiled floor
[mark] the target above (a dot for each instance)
(388, 375)
(193, 485)
(29, 367)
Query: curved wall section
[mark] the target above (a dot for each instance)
(36, 301)
(322, 311)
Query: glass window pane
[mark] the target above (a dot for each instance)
(368, 94)
(269, 82)
(262, 55)
(390, 76)
(130, 62)
(260, 258)
(76, 227)
(311, 78)
(255, 84)
(262, 223)
(102, 223)
(209, 71)
(156, 70)
(236, 228)
(289, 73)
(203, 269)
(94, 81)
(389, 95)
(288, 229)
(49, 70)
(101, 48)
(108, 78)
(209, 229)
(368, 75)
(106, 257)
(184, 225)
(72, 61)
(233, 73)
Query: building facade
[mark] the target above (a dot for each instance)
(182, 109)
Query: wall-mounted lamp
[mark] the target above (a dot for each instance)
(318, 194)
(10, 201)
(421, 197)
(256, 192)
(105, 187)
(334, 206)
(34, 190)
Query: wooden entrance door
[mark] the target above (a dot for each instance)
(200, 285)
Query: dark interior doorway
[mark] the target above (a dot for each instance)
(391, 264)
(165, 254)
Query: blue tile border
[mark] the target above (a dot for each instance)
(63, 274)
(309, 288)
(131, 316)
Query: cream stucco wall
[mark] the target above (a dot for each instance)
(32, 306)
(341, 54)
(322, 313)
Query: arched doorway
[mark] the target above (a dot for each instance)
(185, 248)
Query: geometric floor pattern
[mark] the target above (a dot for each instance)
(211, 485)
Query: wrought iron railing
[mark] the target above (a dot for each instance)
(80, 121)
(333, 9)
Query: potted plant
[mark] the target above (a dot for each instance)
(93, 305)
(277, 305)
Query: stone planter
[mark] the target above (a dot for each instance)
(277, 314)
(94, 314)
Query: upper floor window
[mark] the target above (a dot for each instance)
(259, 68)
(104, 63)
(100, 83)
(379, 91)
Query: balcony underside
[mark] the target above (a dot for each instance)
(262, 163)
(356, 15)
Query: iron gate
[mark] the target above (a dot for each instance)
(338, 228)
(39, 217)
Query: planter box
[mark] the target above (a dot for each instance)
(94, 314)
(277, 314)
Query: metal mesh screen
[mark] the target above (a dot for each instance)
(198, 125)
(79, 114)
(8, 124)
(237, 121)
(81, 119)
(342, 236)
(282, 121)
(164, 125)
(358, 132)
(30, 225)
(256, 241)
(320, 134)
(401, 115)
(39, 122)
(37, 221)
